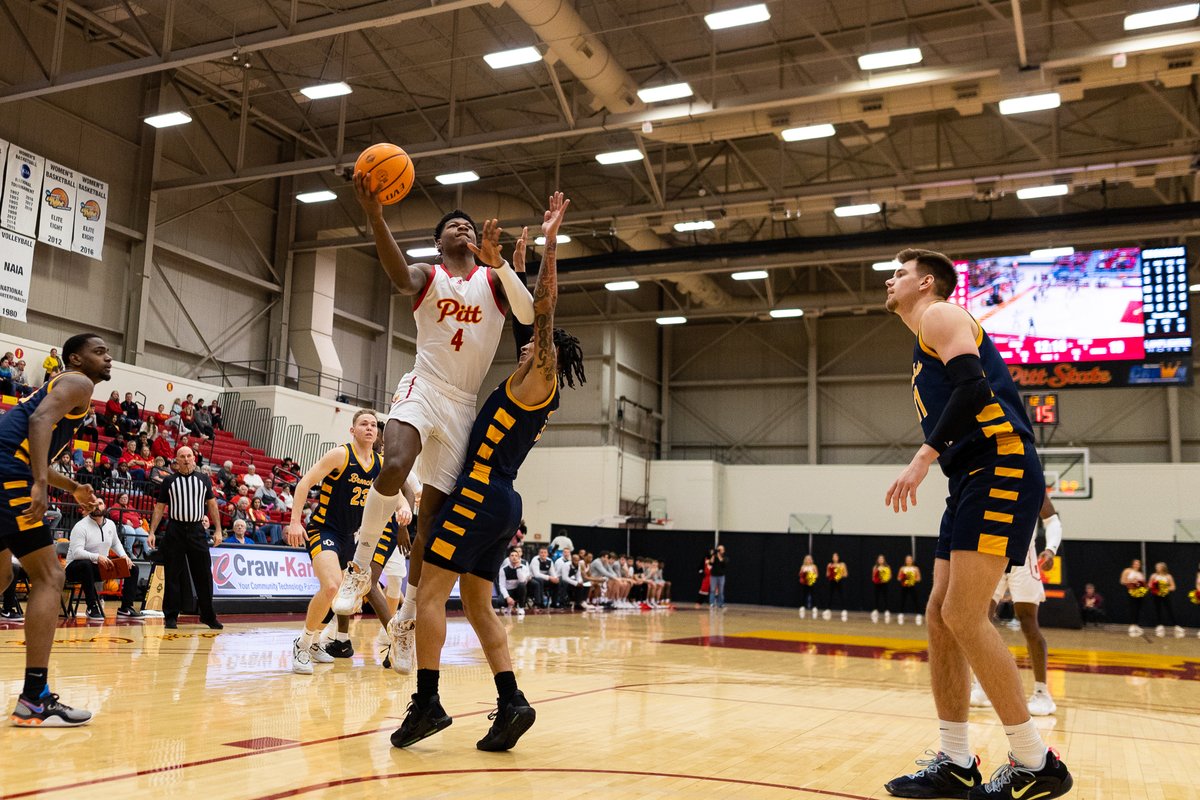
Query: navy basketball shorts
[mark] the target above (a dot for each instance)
(471, 533)
(18, 533)
(322, 540)
(994, 508)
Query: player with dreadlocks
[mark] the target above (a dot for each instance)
(470, 534)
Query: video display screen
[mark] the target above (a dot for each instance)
(1059, 317)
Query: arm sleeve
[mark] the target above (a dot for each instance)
(971, 393)
(519, 298)
(501, 583)
(1053, 533)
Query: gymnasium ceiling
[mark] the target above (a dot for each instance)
(927, 141)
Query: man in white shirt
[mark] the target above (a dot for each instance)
(91, 540)
(514, 582)
(253, 480)
(545, 580)
(572, 582)
(283, 501)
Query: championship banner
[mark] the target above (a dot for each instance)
(16, 256)
(244, 571)
(57, 224)
(92, 200)
(22, 182)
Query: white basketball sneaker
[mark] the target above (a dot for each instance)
(900, 619)
(826, 614)
(1180, 632)
(874, 616)
(1160, 631)
(1041, 704)
(402, 652)
(317, 654)
(356, 582)
(845, 615)
(979, 698)
(803, 612)
(301, 662)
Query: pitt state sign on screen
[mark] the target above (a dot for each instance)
(266, 572)
(1108, 373)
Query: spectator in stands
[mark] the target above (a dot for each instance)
(214, 411)
(187, 415)
(239, 534)
(1091, 604)
(572, 583)
(158, 472)
(175, 422)
(268, 494)
(162, 444)
(716, 590)
(176, 406)
(141, 464)
(241, 510)
(545, 579)
(267, 532)
(21, 380)
(129, 525)
(131, 415)
(113, 449)
(87, 429)
(6, 377)
(91, 540)
(87, 473)
(184, 441)
(111, 418)
(202, 419)
(283, 499)
(52, 364)
(226, 478)
(252, 479)
(514, 582)
(64, 466)
(122, 480)
(288, 471)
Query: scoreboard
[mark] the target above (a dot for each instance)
(1042, 408)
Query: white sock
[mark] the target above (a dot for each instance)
(1040, 687)
(376, 513)
(1026, 744)
(408, 609)
(306, 638)
(342, 637)
(954, 742)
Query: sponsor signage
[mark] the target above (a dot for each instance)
(244, 571)
(1111, 373)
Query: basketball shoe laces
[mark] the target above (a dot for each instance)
(931, 766)
(1007, 773)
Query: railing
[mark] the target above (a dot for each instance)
(275, 372)
(272, 434)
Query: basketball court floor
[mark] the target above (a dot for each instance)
(748, 702)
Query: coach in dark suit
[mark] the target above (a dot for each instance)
(187, 494)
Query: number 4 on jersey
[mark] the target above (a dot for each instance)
(457, 340)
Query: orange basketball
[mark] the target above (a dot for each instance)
(390, 169)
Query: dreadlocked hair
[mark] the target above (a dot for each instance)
(570, 359)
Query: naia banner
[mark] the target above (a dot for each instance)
(16, 263)
(245, 571)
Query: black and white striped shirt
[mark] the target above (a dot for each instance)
(186, 496)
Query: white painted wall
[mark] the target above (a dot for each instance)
(328, 419)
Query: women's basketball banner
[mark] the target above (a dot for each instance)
(56, 226)
(16, 264)
(90, 216)
(22, 182)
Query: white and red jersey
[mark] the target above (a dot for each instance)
(459, 322)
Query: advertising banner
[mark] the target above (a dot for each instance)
(245, 571)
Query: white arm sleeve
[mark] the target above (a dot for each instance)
(519, 298)
(1053, 527)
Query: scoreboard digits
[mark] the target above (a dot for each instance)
(1042, 408)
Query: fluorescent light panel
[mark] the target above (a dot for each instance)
(1033, 102)
(324, 90)
(672, 91)
(752, 275)
(1195, 287)
(746, 15)
(856, 211)
(422, 252)
(671, 320)
(885, 266)
(1052, 252)
(169, 119)
(785, 313)
(316, 197)
(619, 156)
(513, 58)
(451, 178)
(1034, 192)
(695, 225)
(561, 238)
(808, 132)
(890, 58)
(1162, 16)
(621, 286)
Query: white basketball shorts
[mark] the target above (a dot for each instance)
(1024, 583)
(443, 416)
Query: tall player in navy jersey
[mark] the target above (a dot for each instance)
(32, 435)
(473, 528)
(976, 428)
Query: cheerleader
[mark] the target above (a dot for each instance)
(836, 573)
(1162, 583)
(1134, 581)
(808, 579)
(881, 577)
(910, 576)
(706, 571)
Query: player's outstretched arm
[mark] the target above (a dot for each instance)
(327, 464)
(408, 278)
(537, 378)
(511, 284)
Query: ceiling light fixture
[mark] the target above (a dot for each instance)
(316, 197)
(1033, 102)
(746, 15)
(857, 211)
(621, 286)
(619, 156)
(671, 320)
(672, 91)
(324, 90)
(1034, 192)
(752, 275)
(561, 238)
(513, 58)
(695, 225)
(885, 266)
(170, 119)
(451, 178)
(785, 313)
(422, 252)
(890, 58)
(1162, 16)
(807, 132)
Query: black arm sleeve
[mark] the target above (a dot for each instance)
(971, 393)
(522, 333)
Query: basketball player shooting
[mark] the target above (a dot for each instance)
(459, 310)
(976, 428)
(473, 529)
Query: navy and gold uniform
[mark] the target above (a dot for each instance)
(17, 533)
(478, 520)
(996, 482)
(340, 508)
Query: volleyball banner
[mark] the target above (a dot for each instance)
(90, 216)
(56, 227)
(244, 571)
(16, 264)
(22, 182)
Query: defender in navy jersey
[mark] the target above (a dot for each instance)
(976, 429)
(32, 435)
(480, 515)
(344, 476)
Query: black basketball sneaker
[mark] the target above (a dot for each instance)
(508, 724)
(340, 648)
(938, 777)
(1014, 782)
(420, 723)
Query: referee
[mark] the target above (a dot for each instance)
(184, 549)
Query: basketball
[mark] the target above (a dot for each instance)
(390, 169)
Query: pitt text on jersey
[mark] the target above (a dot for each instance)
(449, 308)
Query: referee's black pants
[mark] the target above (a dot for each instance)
(185, 549)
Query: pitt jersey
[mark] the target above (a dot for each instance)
(1002, 427)
(14, 432)
(459, 321)
(344, 494)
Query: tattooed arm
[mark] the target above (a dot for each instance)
(537, 375)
